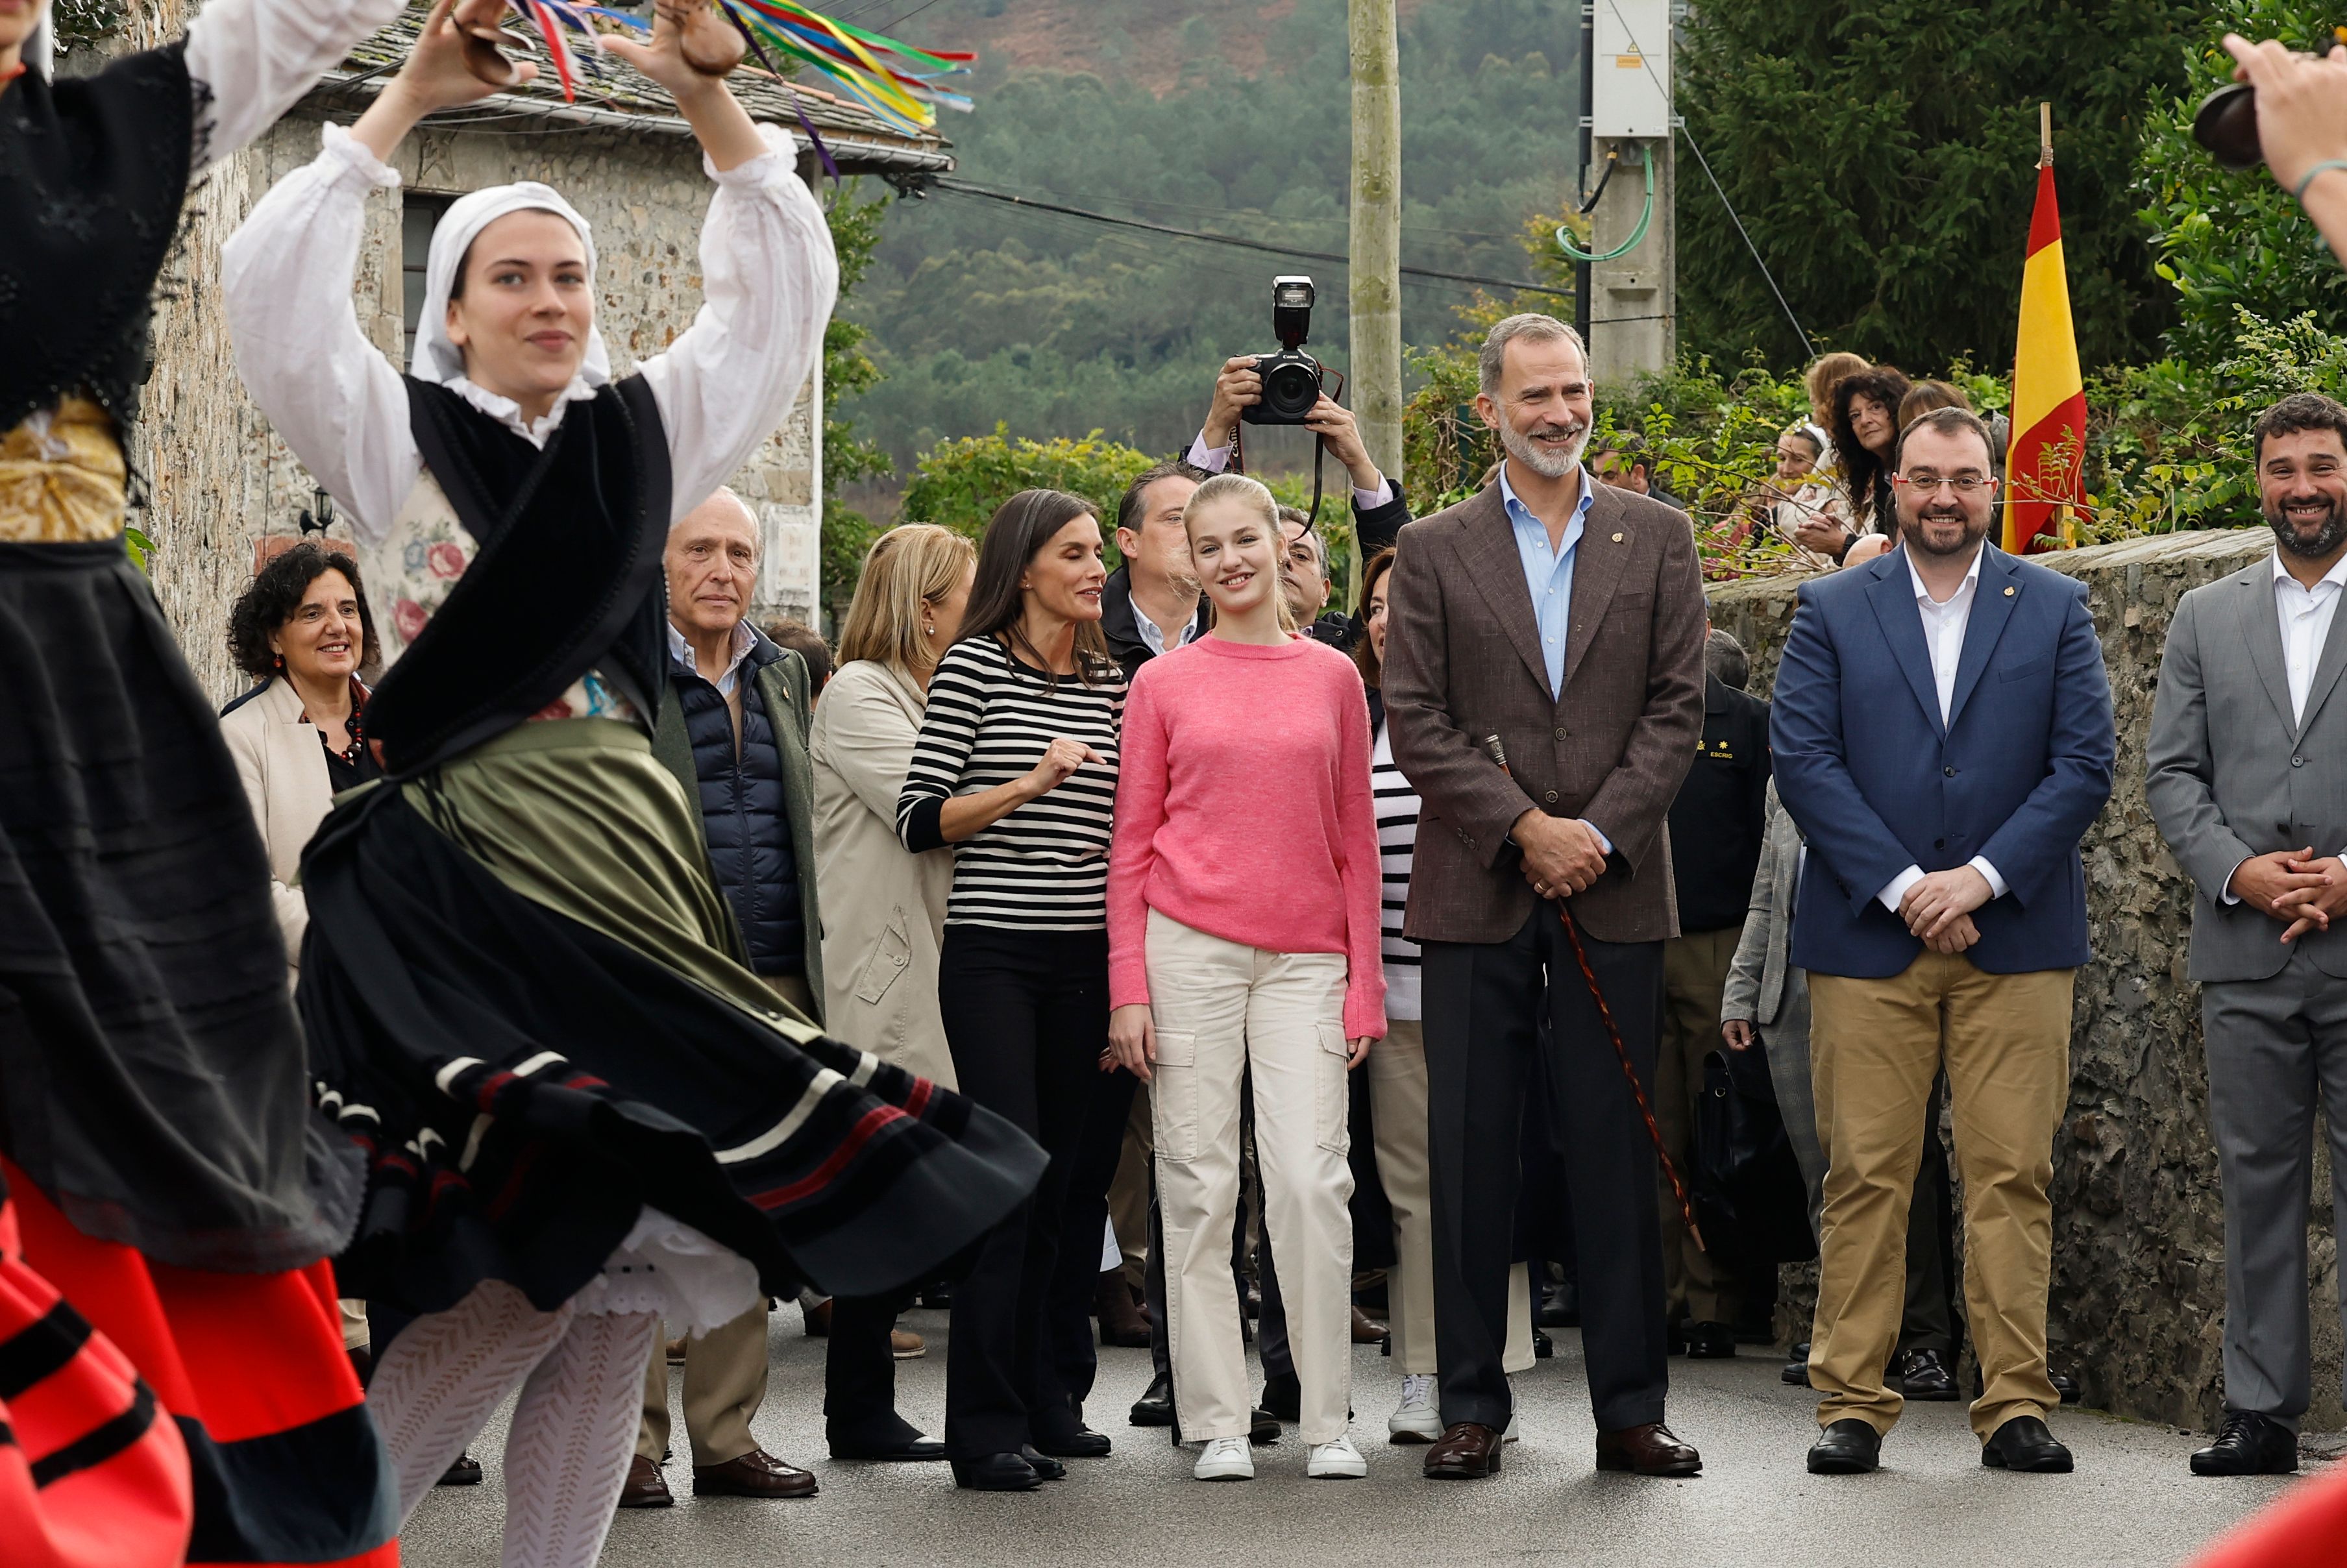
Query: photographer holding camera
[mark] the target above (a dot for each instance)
(2302, 127)
(1378, 509)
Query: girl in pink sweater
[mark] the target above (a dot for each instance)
(1243, 915)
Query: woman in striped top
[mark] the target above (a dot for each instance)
(1016, 766)
(1396, 1071)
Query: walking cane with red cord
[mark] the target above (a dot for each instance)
(1499, 754)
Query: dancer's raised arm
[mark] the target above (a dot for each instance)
(252, 60)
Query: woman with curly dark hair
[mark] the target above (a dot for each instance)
(1866, 438)
(303, 631)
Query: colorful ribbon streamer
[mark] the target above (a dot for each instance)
(896, 82)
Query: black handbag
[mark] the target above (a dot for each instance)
(1749, 1197)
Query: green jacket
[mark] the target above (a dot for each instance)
(783, 686)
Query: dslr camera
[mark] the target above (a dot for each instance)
(1292, 379)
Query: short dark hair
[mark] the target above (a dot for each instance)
(276, 593)
(1626, 445)
(806, 642)
(1725, 657)
(1947, 422)
(2299, 411)
(1303, 519)
(1128, 506)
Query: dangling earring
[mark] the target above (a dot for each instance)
(281, 662)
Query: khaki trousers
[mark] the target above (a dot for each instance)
(1875, 1048)
(1224, 1011)
(724, 1384)
(1695, 983)
(1396, 1069)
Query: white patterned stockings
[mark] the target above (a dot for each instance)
(573, 1430)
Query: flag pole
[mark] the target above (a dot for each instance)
(2044, 136)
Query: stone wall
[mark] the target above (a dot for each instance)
(2138, 1301)
(223, 486)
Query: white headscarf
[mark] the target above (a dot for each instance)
(437, 359)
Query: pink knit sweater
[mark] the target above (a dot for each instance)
(1243, 810)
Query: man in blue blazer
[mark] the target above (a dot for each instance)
(1943, 732)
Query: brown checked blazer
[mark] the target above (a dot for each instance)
(1463, 661)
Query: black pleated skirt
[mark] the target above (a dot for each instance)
(152, 1076)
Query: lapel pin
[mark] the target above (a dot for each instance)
(1617, 538)
(2008, 593)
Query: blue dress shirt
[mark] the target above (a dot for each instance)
(1548, 573)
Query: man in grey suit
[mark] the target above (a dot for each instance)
(2248, 778)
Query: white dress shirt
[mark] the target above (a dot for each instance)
(2305, 615)
(1152, 636)
(769, 278)
(1944, 623)
(252, 60)
(1215, 459)
(743, 640)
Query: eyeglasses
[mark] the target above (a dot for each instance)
(1930, 484)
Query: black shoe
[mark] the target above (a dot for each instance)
(1043, 1464)
(465, 1471)
(1283, 1398)
(1560, 1306)
(2065, 1385)
(1155, 1406)
(1710, 1342)
(1797, 1366)
(996, 1472)
(1063, 1435)
(937, 1298)
(2022, 1443)
(918, 1450)
(2249, 1444)
(1544, 1348)
(1846, 1448)
(1924, 1375)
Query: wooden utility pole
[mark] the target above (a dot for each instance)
(1376, 233)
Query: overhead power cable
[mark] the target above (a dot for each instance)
(963, 187)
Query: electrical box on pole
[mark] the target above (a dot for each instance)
(1632, 271)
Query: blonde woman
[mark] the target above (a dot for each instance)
(1243, 887)
(884, 907)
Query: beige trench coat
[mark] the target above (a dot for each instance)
(883, 908)
(284, 771)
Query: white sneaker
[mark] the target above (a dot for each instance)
(1339, 1461)
(1417, 1420)
(1226, 1459)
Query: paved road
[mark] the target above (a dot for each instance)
(2131, 1502)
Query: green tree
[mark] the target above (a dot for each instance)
(2230, 241)
(1881, 157)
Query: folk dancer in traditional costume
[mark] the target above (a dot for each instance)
(524, 992)
(172, 1383)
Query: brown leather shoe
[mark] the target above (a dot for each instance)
(676, 1351)
(1367, 1330)
(1121, 1322)
(643, 1488)
(1465, 1451)
(904, 1345)
(756, 1474)
(1650, 1449)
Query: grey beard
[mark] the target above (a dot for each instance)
(2334, 530)
(1547, 465)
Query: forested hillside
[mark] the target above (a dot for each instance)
(1221, 115)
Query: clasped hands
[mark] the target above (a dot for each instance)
(2294, 888)
(1561, 855)
(1132, 1042)
(1938, 907)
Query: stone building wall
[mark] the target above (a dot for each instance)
(223, 484)
(2139, 1302)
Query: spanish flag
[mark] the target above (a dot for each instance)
(2044, 471)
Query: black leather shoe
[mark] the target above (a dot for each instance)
(918, 1450)
(2022, 1443)
(1155, 1406)
(1924, 1375)
(1710, 1342)
(1283, 1398)
(1063, 1435)
(465, 1471)
(2065, 1385)
(1043, 1464)
(1560, 1306)
(1797, 1366)
(2249, 1444)
(996, 1472)
(1846, 1448)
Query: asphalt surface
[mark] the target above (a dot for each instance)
(2131, 1501)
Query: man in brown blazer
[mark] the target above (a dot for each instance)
(1566, 619)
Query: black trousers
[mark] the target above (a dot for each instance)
(859, 1376)
(1076, 1282)
(1483, 1004)
(1026, 1015)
